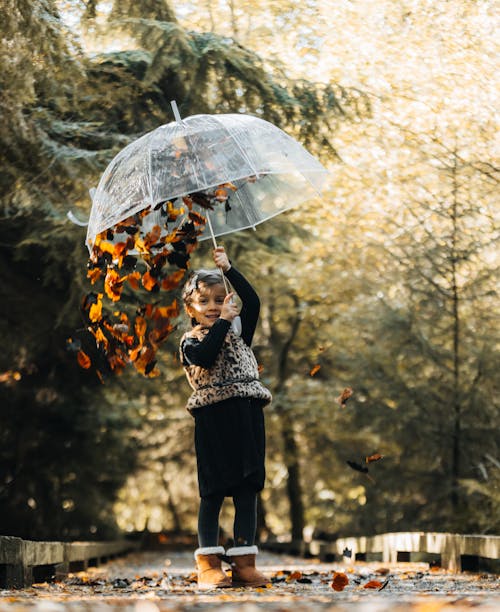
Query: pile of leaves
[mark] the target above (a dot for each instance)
(132, 262)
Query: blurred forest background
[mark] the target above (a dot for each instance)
(389, 284)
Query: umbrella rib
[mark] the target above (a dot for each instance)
(150, 177)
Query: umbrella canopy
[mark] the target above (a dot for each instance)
(270, 172)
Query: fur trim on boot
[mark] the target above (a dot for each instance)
(209, 569)
(242, 560)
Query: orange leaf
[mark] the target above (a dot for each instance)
(119, 249)
(140, 327)
(83, 360)
(105, 246)
(95, 312)
(339, 581)
(148, 281)
(229, 186)
(372, 584)
(374, 457)
(172, 212)
(344, 396)
(188, 202)
(221, 195)
(133, 279)
(134, 353)
(197, 218)
(145, 362)
(117, 361)
(166, 312)
(94, 275)
(113, 284)
(157, 336)
(294, 576)
(315, 370)
(101, 338)
(152, 237)
(173, 280)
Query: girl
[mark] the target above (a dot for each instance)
(226, 403)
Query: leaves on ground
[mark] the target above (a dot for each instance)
(339, 581)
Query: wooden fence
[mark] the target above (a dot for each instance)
(453, 551)
(23, 562)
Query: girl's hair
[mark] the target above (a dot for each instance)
(207, 277)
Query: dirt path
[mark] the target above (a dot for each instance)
(163, 582)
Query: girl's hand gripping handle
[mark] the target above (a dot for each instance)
(229, 312)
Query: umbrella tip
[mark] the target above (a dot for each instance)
(175, 110)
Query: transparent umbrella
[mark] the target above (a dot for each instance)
(268, 171)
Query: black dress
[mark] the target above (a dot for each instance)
(230, 439)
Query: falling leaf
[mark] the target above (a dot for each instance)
(95, 312)
(197, 218)
(113, 284)
(221, 195)
(314, 370)
(94, 275)
(231, 186)
(344, 396)
(10, 376)
(339, 581)
(83, 360)
(133, 280)
(172, 281)
(140, 327)
(148, 281)
(374, 457)
(100, 338)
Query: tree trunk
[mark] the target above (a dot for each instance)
(457, 425)
(293, 486)
(234, 20)
(177, 524)
(290, 446)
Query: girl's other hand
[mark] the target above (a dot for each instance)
(229, 308)
(220, 258)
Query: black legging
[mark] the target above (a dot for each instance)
(245, 518)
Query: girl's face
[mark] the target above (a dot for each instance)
(206, 304)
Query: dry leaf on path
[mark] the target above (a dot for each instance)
(339, 581)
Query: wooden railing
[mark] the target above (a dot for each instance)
(454, 551)
(23, 562)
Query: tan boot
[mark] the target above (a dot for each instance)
(210, 572)
(243, 567)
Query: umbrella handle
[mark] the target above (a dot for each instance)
(236, 322)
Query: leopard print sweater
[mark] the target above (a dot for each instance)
(234, 373)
